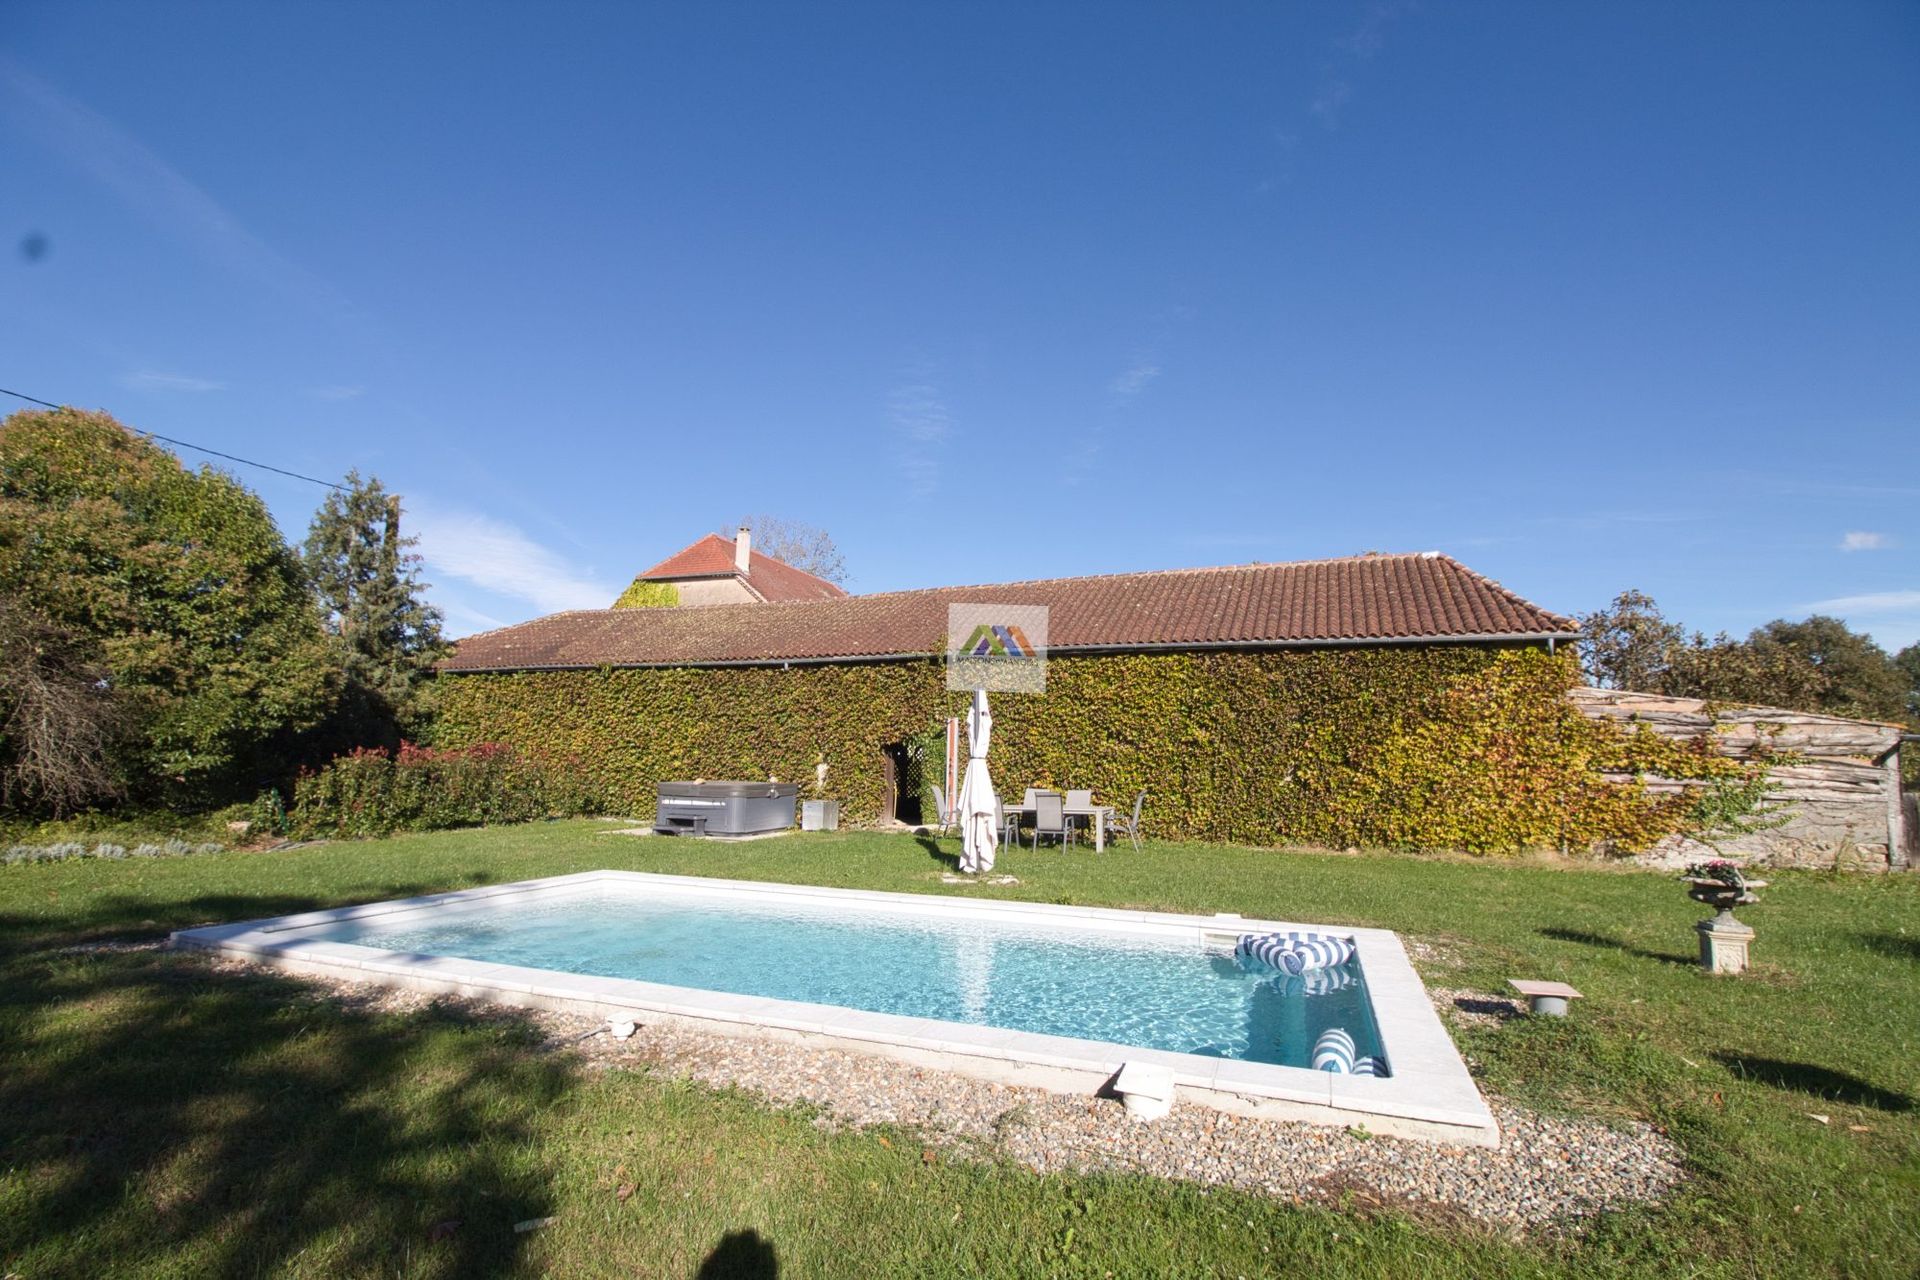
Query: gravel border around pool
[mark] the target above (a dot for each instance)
(1548, 1174)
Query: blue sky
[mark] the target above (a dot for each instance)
(1589, 297)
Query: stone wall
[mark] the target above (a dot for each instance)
(1843, 795)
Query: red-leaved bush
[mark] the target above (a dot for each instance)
(372, 792)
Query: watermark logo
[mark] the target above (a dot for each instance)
(998, 647)
(991, 641)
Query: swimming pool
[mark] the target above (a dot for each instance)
(1052, 995)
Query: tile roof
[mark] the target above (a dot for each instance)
(1426, 598)
(771, 580)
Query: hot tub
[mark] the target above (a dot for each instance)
(724, 808)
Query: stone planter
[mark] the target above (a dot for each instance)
(1724, 941)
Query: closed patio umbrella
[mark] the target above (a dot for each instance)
(979, 829)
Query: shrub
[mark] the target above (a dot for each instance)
(68, 850)
(375, 792)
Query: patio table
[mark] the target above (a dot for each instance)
(1098, 814)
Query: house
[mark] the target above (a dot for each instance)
(716, 570)
(1191, 683)
(1375, 699)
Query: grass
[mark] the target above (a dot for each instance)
(159, 1118)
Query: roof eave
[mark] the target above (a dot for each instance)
(1510, 637)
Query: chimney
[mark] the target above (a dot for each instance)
(743, 550)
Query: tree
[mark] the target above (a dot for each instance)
(181, 590)
(1856, 677)
(1727, 670)
(1907, 662)
(803, 546)
(59, 724)
(1629, 645)
(1818, 665)
(385, 636)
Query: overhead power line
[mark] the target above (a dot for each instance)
(186, 444)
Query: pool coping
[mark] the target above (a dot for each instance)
(1430, 1095)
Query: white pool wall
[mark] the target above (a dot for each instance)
(1429, 1095)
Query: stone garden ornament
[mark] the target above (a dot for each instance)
(1722, 885)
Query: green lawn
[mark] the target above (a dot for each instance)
(157, 1118)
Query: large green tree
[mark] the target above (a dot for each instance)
(1817, 664)
(385, 635)
(1908, 663)
(177, 586)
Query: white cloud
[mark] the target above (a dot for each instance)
(1860, 540)
(1872, 602)
(153, 380)
(1326, 104)
(336, 393)
(920, 417)
(1134, 380)
(464, 620)
(151, 187)
(1368, 38)
(500, 558)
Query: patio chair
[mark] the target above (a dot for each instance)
(1080, 800)
(1050, 818)
(1129, 827)
(1008, 820)
(943, 816)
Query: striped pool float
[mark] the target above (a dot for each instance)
(1314, 982)
(1333, 1051)
(1295, 953)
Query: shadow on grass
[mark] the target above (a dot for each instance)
(172, 1117)
(951, 861)
(1589, 939)
(1897, 945)
(741, 1255)
(131, 917)
(1818, 1082)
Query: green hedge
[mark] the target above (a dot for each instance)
(373, 792)
(1431, 747)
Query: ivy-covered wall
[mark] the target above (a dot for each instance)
(1431, 746)
(642, 594)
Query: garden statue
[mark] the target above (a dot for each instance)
(1722, 885)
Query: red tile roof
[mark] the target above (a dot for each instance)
(1410, 599)
(770, 579)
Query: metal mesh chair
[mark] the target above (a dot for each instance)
(1129, 826)
(1008, 820)
(1050, 818)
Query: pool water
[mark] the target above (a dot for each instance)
(1122, 988)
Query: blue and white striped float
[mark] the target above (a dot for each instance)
(1314, 982)
(1334, 1051)
(1295, 953)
